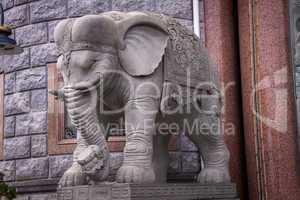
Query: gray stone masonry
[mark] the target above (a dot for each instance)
(9, 128)
(10, 83)
(131, 5)
(18, 147)
(32, 34)
(17, 16)
(45, 10)
(39, 100)
(16, 103)
(9, 170)
(59, 164)
(29, 79)
(34, 168)
(79, 7)
(43, 54)
(32, 123)
(38, 145)
(16, 62)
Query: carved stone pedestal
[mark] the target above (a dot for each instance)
(115, 191)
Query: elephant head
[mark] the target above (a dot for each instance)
(93, 43)
(91, 49)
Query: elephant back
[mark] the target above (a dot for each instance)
(188, 69)
(186, 60)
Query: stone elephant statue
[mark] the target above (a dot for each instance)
(152, 71)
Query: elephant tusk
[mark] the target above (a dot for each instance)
(86, 84)
(59, 94)
(73, 99)
(75, 92)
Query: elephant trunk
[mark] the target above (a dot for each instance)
(86, 121)
(81, 105)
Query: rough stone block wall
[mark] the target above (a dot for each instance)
(25, 145)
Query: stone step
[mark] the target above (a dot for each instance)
(168, 191)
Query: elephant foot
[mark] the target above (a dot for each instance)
(94, 163)
(213, 175)
(134, 174)
(73, 176)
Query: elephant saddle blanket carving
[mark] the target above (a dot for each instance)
(188, 73)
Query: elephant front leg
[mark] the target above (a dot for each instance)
(74, 175)
(138, 153)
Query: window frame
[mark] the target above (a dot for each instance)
(1, 116)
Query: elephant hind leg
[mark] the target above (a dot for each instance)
(214, 153)
(161, 157)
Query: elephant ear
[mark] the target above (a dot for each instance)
(144, 47)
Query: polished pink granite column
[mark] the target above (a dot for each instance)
(222, 42)
(268, 105)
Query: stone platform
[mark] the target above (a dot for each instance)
(170, 191)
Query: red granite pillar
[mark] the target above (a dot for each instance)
(268, 107)
(222, 44)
